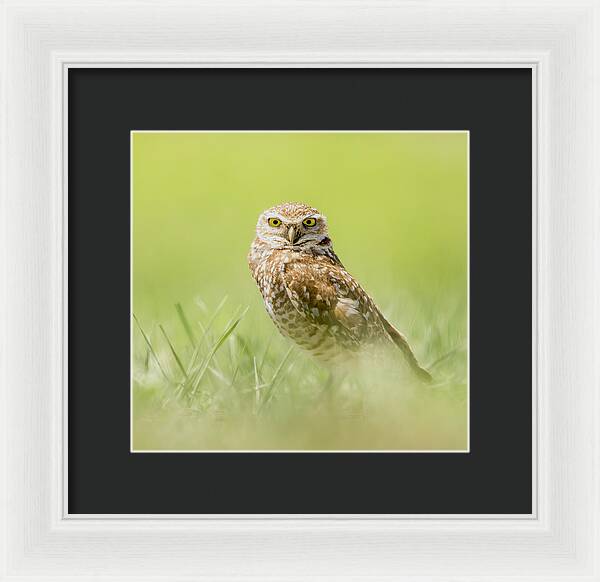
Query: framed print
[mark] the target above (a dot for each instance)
(300, 292)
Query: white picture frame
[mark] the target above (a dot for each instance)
(557, 40)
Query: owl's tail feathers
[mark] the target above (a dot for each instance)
(422, 374)
(401, 342)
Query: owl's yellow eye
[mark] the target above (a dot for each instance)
(309, 221)
(274, 222)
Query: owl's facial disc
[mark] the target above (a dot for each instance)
(311, 230)
(291, 229)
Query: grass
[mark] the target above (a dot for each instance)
(217, 379)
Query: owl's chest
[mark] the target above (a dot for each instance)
(287, 284)
(273, 281)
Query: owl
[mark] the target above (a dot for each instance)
(310, 296)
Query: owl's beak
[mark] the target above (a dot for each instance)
(292, 234)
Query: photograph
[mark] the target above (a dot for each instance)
(300, 291)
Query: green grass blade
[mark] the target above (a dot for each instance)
(238, 312)
(162, 329)
(185, 323)
(218, 375)
(201, 305)
(205, 330)
(149, 344)
(234, 377)
(270, 390)
(256, 385)
(264, 357)
(446, 356)
(201, 370)
(216, 312)
(256, 376)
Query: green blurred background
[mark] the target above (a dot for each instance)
(396, 205)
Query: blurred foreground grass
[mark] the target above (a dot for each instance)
(208, 381)
(397, 209)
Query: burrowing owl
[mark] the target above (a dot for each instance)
(308, 293)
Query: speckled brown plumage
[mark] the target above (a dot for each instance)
(308, 293)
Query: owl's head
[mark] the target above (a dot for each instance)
(293, 226)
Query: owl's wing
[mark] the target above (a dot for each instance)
(326, 294)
